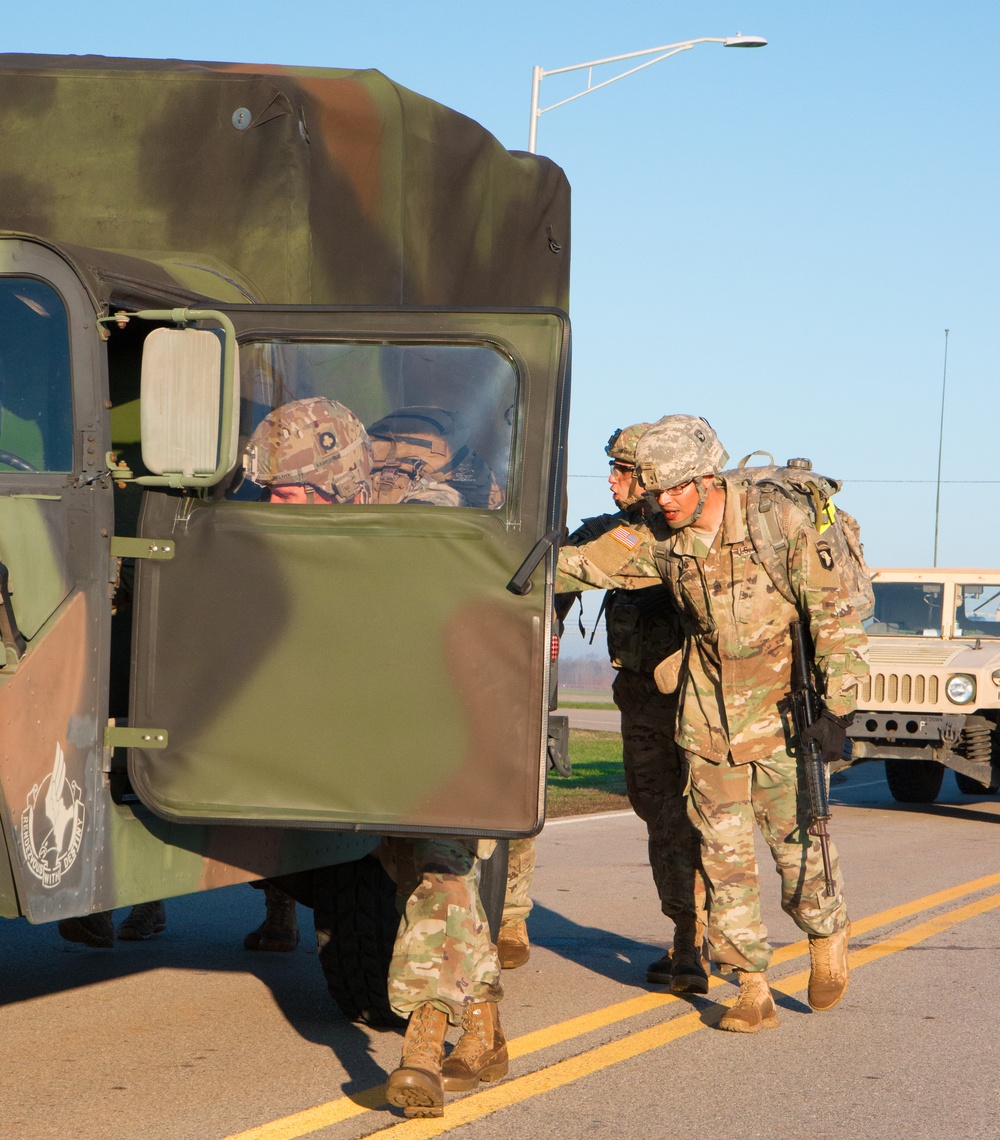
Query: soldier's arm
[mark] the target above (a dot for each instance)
(837, 636)
(621, 559)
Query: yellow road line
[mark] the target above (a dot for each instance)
(478, 1105)
(343, 1108)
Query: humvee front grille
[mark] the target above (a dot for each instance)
(904, 689)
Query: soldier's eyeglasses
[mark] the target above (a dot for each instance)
(676, 492)
(621, 468)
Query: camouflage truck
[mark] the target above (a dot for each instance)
(932, 700)
(198, 687)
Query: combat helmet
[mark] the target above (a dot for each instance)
(316, 443)
(677, 450)
(620, 449)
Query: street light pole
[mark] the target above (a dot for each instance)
(937, 501)
(664, 52)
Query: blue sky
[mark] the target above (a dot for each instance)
(774, 239)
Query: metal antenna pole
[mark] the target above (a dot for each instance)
(937, 503)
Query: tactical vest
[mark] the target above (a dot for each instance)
(643, 627)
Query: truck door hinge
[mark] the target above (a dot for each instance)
(118, 736)
(156, 548)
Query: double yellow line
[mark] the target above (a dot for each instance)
(510, 1092)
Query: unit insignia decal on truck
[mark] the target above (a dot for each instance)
(52, 825)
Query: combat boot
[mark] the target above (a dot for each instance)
(416, 1085)
(481, 1053)
(660, 972)
(143, 922)
(513, 947)
(829, 971)
(279, 932)
(754, 1008)
(688, 974)
(97, 929)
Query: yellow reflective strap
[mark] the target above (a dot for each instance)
(828, 516)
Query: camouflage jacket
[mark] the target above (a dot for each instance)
(415, 490)
(738, 665)
(642, 622)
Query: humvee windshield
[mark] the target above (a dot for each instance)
(36, 413)
(906, 609)
(977, 610)
(449, 406)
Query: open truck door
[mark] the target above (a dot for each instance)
(366, 667)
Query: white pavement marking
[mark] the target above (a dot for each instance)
(589, 818)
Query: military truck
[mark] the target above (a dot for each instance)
(199, 687)
(932, 700)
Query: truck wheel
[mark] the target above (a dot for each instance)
(970, 787)
(356, 922)
(914, 781)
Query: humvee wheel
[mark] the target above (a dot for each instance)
(15, 461)
(354, 908)
(970, 787)
(914, 781)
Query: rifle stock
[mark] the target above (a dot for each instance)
(805, 710)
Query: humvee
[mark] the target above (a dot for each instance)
(932, 700)
(199, 687)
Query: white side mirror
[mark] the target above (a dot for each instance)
(189, 414)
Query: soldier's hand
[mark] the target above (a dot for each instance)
(828, 733)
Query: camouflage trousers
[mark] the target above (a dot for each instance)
(443, 953)
(520, 872)
(655, 779)
(723, 801)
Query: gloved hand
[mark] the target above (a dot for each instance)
(828, 733)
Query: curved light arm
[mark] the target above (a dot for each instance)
(667, 50)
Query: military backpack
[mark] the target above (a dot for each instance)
(770, 490)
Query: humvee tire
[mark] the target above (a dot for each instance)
(914, 781)
(354, 908)
(970, 787)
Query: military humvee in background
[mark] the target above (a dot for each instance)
(932, 700)
(197, 687)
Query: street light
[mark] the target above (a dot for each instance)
(668, 50)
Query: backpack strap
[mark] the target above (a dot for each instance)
(767, 533)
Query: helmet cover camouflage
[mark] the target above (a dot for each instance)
(677, 449)
(621, 445)
(315, 442)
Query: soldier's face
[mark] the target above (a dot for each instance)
(679, 503)
(298, 493)
(620, 480)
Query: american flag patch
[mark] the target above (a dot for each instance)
(625, 537)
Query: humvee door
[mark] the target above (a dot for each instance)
(364, 665)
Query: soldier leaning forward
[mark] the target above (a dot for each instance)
(643, 629)
(444, 969)
(732, 721)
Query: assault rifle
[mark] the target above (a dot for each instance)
(805, 711)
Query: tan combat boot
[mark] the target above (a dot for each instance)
(481, 1054)
(513, 948)
(754, 1008)
(143, 921)
(829, 971)
(279, 932)
(416, 1086)
(688, 974)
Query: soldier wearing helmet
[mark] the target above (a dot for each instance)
(735, 676)
(316, 450)
(444, 969)
(643, 629)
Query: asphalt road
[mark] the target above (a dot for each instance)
(189, 1037)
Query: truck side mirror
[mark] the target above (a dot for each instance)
(189, 414)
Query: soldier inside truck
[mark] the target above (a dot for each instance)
(906, 609)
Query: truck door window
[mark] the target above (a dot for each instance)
(434, 414)
(36, 416)
(977, 610)
(906, 609)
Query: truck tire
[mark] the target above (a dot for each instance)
(970, 787)
(914, 781)
(354, 908)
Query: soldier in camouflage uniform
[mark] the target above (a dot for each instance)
(643, 629)
(444, 968)
(733, 724)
